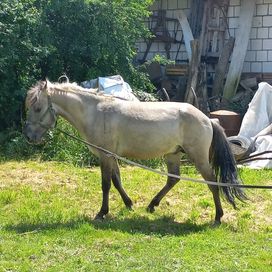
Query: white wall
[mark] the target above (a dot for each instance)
(259, 54)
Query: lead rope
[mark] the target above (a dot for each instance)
(111, 154)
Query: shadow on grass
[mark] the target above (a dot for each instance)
(140, 224)
(161, 226)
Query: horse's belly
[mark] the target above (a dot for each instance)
(148, 139)
(152, 150)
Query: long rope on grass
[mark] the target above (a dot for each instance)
(255, 157)
(111, 154)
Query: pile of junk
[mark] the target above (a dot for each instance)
(253, 144)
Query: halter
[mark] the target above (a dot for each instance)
(49, 110)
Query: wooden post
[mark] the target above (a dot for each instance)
(193, 73)
(240, 48)
(221, 68)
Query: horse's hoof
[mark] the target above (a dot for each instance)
(129, 205)
(216, 224)
(99, 217)
(130, 208)
(150, 209)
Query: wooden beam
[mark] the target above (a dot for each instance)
(221, 68)
(240, 48)
(193, 74)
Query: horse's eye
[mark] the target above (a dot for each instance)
(38, 109)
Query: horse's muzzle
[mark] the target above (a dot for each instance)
(31, 136)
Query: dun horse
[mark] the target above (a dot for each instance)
(140, 130)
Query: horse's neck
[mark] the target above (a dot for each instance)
(71, 106)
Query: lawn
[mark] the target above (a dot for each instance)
(47, 211)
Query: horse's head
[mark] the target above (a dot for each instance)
(41, 115)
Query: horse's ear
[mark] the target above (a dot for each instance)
(45, 85)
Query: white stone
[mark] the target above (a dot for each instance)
(262, 9)
(269, 56)
(267, 44)
(253, 33)
(250, 56)
(270, 9)
(267, 20)
(270, 32)
(256, 45)
(267, 67)
(256, 67)
(257, 21)
(261, 56)
(262, 33)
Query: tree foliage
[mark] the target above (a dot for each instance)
(82, 38)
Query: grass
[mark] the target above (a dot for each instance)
(46, 223)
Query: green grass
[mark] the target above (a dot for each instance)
(46, 223)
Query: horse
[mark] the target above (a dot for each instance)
(138, 130)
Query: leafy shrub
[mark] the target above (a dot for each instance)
(61, 147)
(46, 38)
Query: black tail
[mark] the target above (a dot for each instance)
(225, 166)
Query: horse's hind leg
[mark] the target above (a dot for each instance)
(218, 207)
(173, 164)
(116, 180)
(200, 158)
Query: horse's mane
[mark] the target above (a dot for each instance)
(35, 91)
(74, 87)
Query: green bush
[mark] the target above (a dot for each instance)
(82, 38)
(46, 38)
(61, 147)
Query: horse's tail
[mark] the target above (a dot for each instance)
(225, 166)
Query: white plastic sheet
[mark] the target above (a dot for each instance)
(112, 85)
(258, 117)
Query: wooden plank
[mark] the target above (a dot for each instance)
(215, 33)
(221, 68)
(240, 48)
(193, 74)
(187, 32)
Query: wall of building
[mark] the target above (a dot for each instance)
(259, 55)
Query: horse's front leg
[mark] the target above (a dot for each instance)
(106, 171)
(116, 180)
